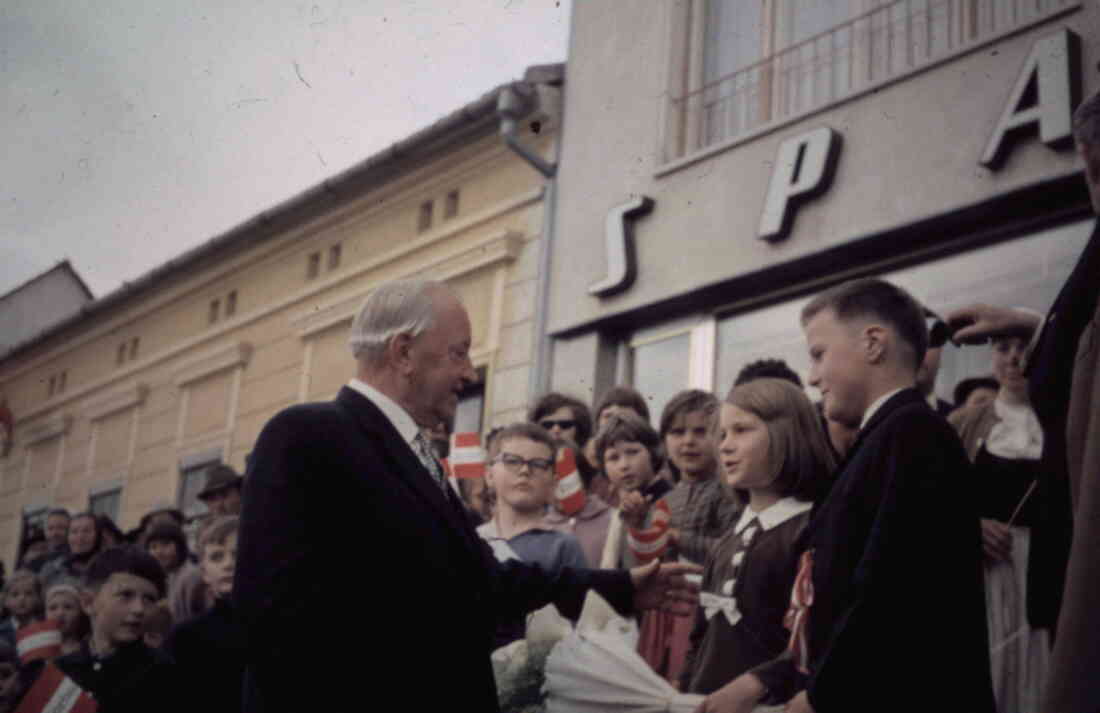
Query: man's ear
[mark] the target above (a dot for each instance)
(876, 340)
(399, 352)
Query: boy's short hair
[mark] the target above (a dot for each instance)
(522, 429)
(767, 369)
(551, 402)
(623, 396)
(59, 511)
(628, 427)
(217, 531)
(879, 300)
(798, 447)
(124, 559)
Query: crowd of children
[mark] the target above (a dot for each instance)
(823, 561)
(825, 532)
(89, 613)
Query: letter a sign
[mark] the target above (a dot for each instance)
(1044, 96)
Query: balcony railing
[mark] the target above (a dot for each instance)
(888, 41)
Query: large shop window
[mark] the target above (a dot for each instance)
(750, 63)
(1024, 272)
(668, 358)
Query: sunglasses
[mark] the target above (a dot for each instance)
(564, 424)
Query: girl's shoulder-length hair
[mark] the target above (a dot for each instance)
(798, 449)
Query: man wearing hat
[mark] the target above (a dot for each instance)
(222, 494)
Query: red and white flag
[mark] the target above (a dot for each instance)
(569, 490)
(54, 692)
(467, 458)
(38, 641)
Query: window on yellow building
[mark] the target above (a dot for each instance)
(334, 256)
(231, 304)
(133, 348)
(121, 356)
(424, 223)
(450, 208)
(215, 309)
(313, 266)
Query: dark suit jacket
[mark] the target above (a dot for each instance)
(358, 577)
(898, 618)
(1050, 376)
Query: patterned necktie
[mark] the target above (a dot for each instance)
(423, 451)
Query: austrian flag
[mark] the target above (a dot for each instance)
(41, 640)
(54, 692)
(569, 490)
(467, 459)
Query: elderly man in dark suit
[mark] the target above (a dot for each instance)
(1062, 370)
(360, 582)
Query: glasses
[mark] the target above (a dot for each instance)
(515, 464)
(564, 424)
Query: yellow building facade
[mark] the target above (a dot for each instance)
(122, 407)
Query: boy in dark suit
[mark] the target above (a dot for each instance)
(122, 586)
(897, 619)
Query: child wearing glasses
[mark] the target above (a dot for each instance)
(521, 472)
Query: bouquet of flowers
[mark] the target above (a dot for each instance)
(519, 667)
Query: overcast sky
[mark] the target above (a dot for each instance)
(136, 129)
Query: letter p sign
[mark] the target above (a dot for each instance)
(803, 170)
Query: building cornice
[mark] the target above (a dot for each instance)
(51, 428)
(213, 362)
(116, 401)
(503, 246)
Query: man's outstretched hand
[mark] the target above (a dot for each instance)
(664, 586)
(978, 322)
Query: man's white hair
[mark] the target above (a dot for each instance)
(393, 308)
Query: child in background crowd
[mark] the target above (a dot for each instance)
(590, 524)
(121, 589)
(521, 473)
(23, 600)
(630, 452)
(210, 647)
(63, 606)
(701, 509)
(774, 455)
(619, 399)
(168, 545)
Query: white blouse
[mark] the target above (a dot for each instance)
(1017, 434)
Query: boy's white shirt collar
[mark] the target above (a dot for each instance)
(393, 411)
(876, 405)
(775, 514)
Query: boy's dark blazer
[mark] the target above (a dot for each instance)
(361, 582)
(898, 620)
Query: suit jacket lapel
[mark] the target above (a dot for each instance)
(410, 470)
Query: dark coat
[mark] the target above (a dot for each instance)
(898, 618)
(1065, 393)
(134, 679)
(332, 483)
(210, 654)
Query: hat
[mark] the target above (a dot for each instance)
(220, 478)
(162, 506)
